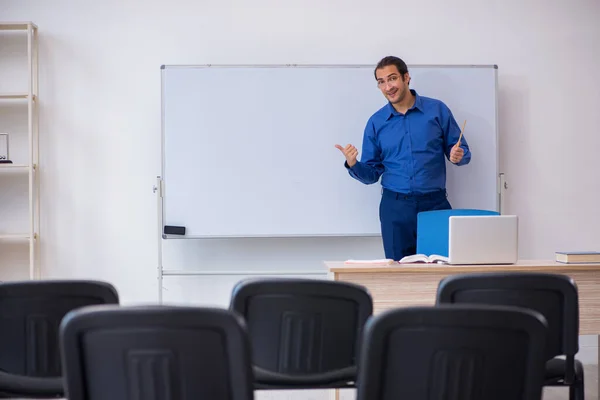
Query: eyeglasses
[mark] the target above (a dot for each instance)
(391, 79)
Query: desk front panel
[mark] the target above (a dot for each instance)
(400, 289)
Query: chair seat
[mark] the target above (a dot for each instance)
(556, 369)
(18, 386)
(340, 378)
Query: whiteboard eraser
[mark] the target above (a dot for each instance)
(174, 230)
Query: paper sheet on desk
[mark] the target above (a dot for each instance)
(383, 261)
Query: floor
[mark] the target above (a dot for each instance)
(591, 386)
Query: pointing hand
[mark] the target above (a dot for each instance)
(349, 152)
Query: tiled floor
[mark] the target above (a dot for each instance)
(591, 386)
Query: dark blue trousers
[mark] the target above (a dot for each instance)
(398, 216)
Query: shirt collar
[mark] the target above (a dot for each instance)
(418, 105)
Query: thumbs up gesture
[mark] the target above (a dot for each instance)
(457, 153)
(349, 152)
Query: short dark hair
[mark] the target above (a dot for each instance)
(392, 60)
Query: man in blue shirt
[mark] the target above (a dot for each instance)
(406, 143)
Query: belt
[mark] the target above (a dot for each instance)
(414, 195)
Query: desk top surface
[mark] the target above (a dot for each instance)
(521, 265)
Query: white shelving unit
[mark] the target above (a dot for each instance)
(28, 166)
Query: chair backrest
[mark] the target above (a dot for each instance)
(432, 229)
(30, 315)
(553, 295)
(467, 352)
(155, 352)
(302, 326)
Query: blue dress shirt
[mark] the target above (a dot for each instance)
(408, 150)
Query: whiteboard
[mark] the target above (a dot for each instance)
(249, 150)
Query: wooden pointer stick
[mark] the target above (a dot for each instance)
(461, 133)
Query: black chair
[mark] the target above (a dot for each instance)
(305, 333)
(30, 314)
(468, 352)
(553, 295)
(155, 352)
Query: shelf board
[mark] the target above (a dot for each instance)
(16, 26)
(15, 167)
(16, 96)
(16, 236)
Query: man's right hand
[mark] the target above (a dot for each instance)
(349, 152)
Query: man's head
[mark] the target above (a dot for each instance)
(393, 78)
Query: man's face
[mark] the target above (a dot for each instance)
(393, 86)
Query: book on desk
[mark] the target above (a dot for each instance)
(577, 257)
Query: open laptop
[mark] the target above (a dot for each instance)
(483, 239)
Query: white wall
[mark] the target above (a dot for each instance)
(100, 117)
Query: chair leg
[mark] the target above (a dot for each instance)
(577, 389)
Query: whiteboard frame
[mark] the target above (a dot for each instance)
(158, 188)
(183, 66)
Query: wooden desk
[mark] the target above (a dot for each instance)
(401, 285)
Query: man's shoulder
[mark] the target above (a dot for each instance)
(380, 115)
(432, 104)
